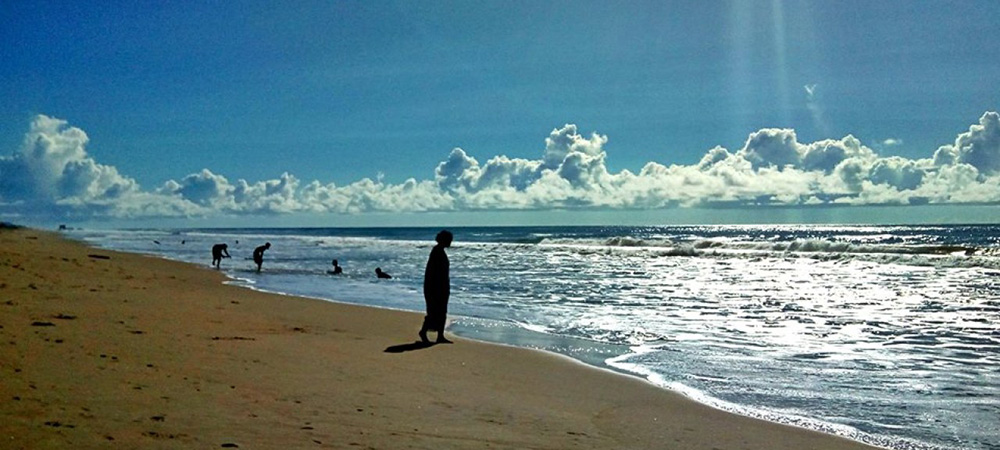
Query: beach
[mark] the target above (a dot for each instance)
(102, 348)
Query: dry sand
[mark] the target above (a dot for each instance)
(104, 349)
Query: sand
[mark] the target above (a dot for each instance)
(103, 349)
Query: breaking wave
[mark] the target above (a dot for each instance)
(823, 249)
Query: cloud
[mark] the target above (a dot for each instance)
(565, 142)
(978, 147)
(52, 165)
(815, 108)
(771, 147)
(897, 172)
(52, 174)
(779, 148)
(203, 188)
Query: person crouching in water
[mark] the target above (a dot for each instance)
(258, 254)
(437, 289)
(219, 251)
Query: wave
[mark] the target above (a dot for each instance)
(792, 246)
(827, 246)
(934, 255)
(613, 241)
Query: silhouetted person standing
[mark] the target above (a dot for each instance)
(337, 270)
(219, 251)
(379, 273)
(258, 254)
(437, 288)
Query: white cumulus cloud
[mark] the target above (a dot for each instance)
(52, 173)
(979, 147)
(52, 165)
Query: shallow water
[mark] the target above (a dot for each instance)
(889, 335)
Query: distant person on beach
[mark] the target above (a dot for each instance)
(258, 254)
(337, 270)
(437, 288)
(219, 251)
(379, 273)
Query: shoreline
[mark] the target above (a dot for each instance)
(694, 395)
(163, 353)
(691, 394)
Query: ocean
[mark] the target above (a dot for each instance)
(885, 334)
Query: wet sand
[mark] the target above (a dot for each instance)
(104, 349)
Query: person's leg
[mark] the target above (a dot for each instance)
(428, 319)
(423, 331)
(440, 319)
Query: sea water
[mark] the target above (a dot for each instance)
(884, 334)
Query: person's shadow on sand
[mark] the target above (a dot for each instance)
(418, 345)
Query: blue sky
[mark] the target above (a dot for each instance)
(340, 92)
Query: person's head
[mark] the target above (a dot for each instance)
(335, 262)
(444, 238)
(223, 245)
(267, 245)
(378, 270)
